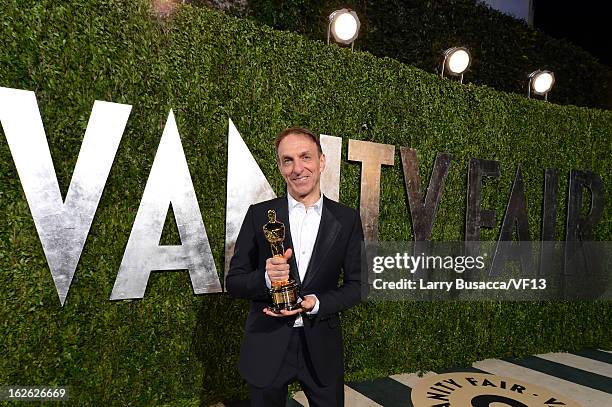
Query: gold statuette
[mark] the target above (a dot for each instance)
(284, 293)
(274, 231)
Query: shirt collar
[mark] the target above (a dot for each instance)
(318, 206)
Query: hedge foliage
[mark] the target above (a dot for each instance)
(505, 50)
(209, 67)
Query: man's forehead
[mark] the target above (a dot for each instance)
(296, 140)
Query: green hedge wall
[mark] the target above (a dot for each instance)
(209, 67)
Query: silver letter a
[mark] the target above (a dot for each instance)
(169, 183)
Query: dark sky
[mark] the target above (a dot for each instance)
(582, 23)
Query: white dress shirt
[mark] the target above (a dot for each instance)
(304, 226)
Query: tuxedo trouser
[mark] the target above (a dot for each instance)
(298, 366)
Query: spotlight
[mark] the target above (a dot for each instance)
(344, 26)
(540, 83)
(456, 61)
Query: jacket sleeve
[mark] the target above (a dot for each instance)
(244, 279)
(349, 293)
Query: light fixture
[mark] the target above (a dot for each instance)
(343, 26)
(540, 83)
(456, 61)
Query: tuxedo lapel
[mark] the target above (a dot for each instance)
(328, 231)
(282, 214)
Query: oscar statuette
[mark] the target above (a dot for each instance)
(285, 294)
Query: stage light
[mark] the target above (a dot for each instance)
(456, 61)
(540, 83)
(343, 26)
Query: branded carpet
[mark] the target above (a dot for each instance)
(584, 377)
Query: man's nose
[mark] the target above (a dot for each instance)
(298, 167)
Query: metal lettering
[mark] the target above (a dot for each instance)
(330, 179)
(579, 228)
(549, 205)
(372, 157)
(549, 219)
(62, 225)
(169, 183)
(423, 211)
(475, 216)
(246, 185)
(516, 214)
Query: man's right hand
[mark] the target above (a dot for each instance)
(277, 268)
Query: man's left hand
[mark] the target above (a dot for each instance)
(306, 305)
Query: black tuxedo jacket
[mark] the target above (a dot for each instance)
(337, 251)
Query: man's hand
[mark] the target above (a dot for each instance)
(277, 268)
(284, 312)
(306, 305)
(309, 302)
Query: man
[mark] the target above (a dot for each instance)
(322, 241)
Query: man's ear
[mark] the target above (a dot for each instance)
(322, 164)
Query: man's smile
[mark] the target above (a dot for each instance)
(301, 179)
